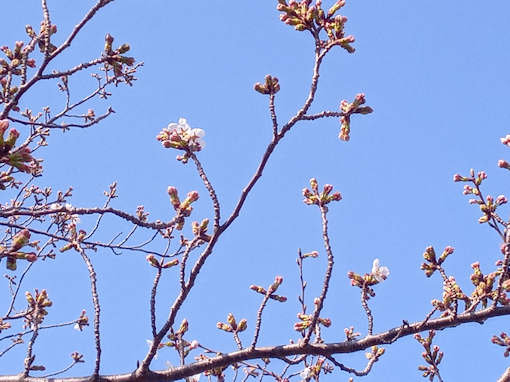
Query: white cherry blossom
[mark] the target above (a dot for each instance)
(380, 273)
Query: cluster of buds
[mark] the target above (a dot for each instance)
(502, 340)
(432, 264)
(477, 181)
(484, 285)
(181, 136)
(313, 371)
(141, 214)
(64, 219)
(45, 33)
(19, 158)
(17, 63)
(232, 326)
(115, 58)
(320, 198)
(82, 321)
(350, 334)
(178, 342)
(375, 353)
(151, 259)
(488, 206)
(4, 325)
(13, 253)
(16, 57)
(306, 322)
(431, 355)
(200, 230)
(503, 163)
(347, 110)
(270, 86)
(305, 16)
(451, 294)
(270, 291)
(75, 238)
(36, 307)
(183, 208)
(379, 274)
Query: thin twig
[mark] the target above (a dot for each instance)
(153, 301)
(327, 275)
(97, 308)
(210, 188)
(259, 318)
(368, 312)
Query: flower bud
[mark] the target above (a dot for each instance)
(314, 185)
(232, 321)
(184, 327)
(243, 324)
(153, 261)
(503, 164)
(20, 239)
(170, 263)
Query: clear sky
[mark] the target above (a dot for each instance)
(437, 79)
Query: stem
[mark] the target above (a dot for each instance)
(97, 309)
(327, 276)
(259, 319)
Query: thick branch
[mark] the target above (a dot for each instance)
(287, 350)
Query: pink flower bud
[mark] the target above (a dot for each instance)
(4, 125)
(503, 164)
(336, 196)
(192, 196)
(506, 140)
(467, 190)
(193, 344)
(360, 97)
(501, 199)
(31, 257)
(449, 250)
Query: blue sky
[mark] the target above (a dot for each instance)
(437, 79)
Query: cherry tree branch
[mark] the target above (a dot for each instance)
(323, 349)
